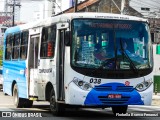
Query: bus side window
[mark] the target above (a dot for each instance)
(48, 42)
(8, 51)
(24, 45)
(16, 43)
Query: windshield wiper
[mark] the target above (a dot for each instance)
(129, 59)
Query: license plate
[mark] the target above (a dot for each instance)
(114, 96)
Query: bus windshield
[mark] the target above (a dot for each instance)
(111, 44)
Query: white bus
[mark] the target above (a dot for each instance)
(80, 59)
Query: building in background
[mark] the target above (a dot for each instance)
(2, 31)
(35, 10)
(61, 5)
(31, 10)
(26, 10)
(155, 29)
(12, 9)
(72, 2)
(149, 8)
(106, 6)
(41, 9)
(3, 28)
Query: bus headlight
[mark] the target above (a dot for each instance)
(82, 84)
(144, 85)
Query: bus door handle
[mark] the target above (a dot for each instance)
(51, 60)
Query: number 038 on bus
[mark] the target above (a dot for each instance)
(80, 59)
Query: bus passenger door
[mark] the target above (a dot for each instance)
(33, 65)
(60, 80)
(47, 63)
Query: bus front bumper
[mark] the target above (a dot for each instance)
(77, 96)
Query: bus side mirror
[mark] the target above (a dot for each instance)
(67, 38)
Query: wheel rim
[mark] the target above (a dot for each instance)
(52, 103)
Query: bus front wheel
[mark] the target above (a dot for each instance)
(18, 102)
(56, 108)
(119, 109)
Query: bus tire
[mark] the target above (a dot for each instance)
(28, 103)
(57, 109)
(119, 109)
(18, 102)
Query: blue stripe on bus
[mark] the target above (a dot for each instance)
(14, 71)
(100, 97)
(11, 70)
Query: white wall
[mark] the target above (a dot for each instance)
(156, 70)
(65, 4)
(35, 10)
(2, 5)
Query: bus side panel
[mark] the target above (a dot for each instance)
(15, 71)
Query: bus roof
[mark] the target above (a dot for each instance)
(103, 16)
(70, 16)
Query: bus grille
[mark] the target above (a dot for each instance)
(115, 101)
(118, 89)
(124, 88)
(103, 88)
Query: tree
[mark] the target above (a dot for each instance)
(1, 56)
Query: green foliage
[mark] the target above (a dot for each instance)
(1, 57)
